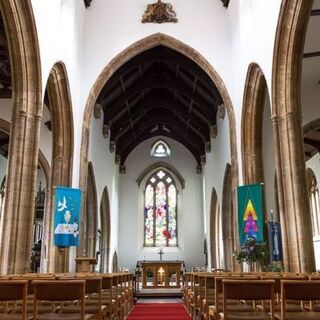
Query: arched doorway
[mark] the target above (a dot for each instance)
(105, 231)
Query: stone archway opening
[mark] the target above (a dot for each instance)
(57, 100)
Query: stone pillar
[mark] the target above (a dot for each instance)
(293, 194)
(20, 193)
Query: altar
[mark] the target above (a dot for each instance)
(161, 274)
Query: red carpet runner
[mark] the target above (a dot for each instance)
(159, 311)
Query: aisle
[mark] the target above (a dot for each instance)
(159, 311)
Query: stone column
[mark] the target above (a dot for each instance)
(20, 193)
(293, 194)
(18, 217)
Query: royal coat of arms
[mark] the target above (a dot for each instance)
(159, 12)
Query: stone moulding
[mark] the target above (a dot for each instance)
(159, 12)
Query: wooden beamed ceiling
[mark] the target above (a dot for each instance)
(311, 143)
(160, 92)
(5, 68)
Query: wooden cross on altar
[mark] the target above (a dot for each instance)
(161, 253)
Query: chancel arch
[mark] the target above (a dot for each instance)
(105, 230)
(141, 58)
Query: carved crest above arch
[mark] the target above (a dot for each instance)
(159, 12)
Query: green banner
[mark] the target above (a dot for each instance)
(250, 216)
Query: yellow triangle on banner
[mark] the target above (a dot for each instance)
(250, 209)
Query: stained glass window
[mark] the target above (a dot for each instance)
(160, 212)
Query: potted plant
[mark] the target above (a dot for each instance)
(252, 253)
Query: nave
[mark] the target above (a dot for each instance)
(186, 141)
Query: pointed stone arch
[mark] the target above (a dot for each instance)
(90, 216)
(214, 229)
(287, 127)
(313, 191)
(227, 219)
(5, 126)
(130, 52)
(23, 148)
(105, 230)
(62, 155)
(252, 124)
(115, 266)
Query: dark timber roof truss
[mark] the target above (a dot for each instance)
(5, 68)
(160, 92)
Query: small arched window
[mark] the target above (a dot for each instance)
(160, 149)
(160, 210)
(314, 201)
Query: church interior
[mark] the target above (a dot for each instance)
(153, 149)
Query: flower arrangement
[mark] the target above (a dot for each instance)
(251, 252)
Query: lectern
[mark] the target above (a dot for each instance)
(83, 263)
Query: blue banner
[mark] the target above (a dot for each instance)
(275, 241)
(66, 216)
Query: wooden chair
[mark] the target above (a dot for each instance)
(108, 301)
(45, 306)
(247, 290)
(298, 290)
(60, 290)
(93, 286)
(291, 306)
(208, 295)
(234, 304)
(12, 290)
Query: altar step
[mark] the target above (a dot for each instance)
(159, 292)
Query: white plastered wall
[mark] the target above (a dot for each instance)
(213, 173)
(268, 162)
(106, 175)
(59, 26)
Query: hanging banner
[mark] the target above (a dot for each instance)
(275, 241)
(250, 216)
(66, 216)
